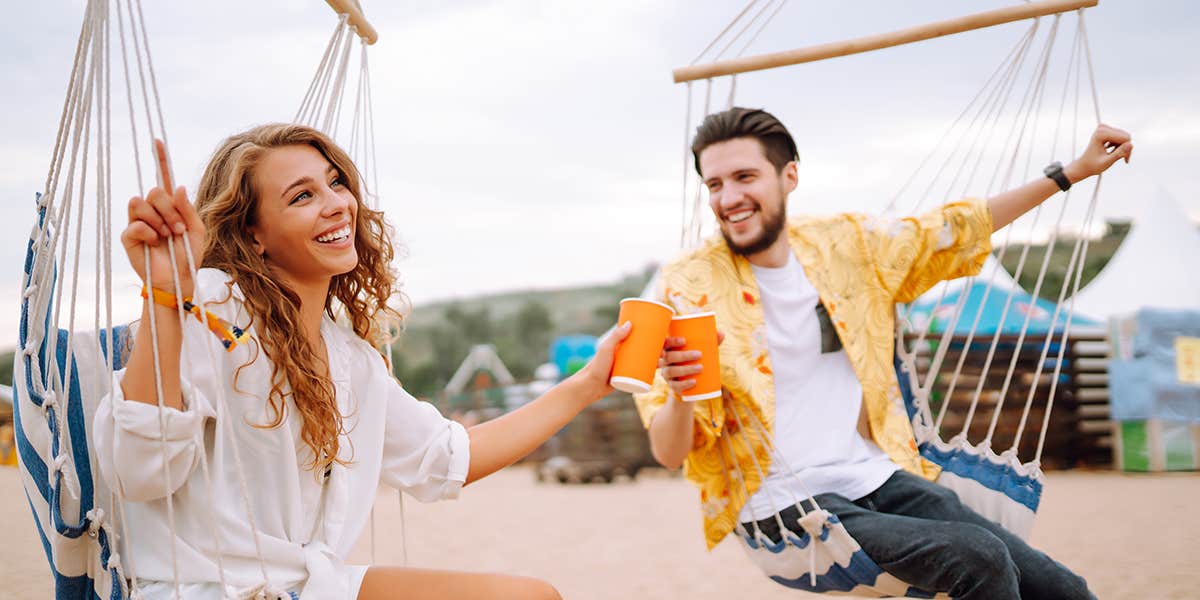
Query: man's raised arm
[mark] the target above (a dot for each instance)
(1107, 146)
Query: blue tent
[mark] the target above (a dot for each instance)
(991, 299)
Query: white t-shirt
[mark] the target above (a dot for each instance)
(817, 403)
(306, 526)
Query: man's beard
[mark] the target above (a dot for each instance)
(771, 228)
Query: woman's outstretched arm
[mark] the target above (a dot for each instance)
(502, 441)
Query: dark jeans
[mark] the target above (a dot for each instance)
(921, 533)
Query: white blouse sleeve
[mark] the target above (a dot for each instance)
(128, 435)
(424, 453)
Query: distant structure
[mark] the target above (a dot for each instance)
(1152, 268)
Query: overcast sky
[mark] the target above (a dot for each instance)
(539, 144)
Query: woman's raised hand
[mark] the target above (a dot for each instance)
(153, 221)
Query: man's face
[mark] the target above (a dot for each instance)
(746, 194)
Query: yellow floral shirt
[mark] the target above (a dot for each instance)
(861, 267)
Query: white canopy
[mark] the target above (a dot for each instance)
(1155, 266)
(482, 357)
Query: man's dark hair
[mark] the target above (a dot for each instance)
(738, 122)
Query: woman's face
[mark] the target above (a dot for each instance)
(305, 215)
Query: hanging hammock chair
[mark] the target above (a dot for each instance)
(935, 366)
(65, 363)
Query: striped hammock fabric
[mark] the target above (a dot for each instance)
(54, 400)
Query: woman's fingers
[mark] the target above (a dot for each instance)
(164, 205)
(141, 210)
(191, 218)
(138, 232)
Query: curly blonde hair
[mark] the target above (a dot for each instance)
(227, 203)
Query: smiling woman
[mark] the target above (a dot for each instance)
(288, 247)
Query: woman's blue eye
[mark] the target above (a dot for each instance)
(337, 181)
(300, 196)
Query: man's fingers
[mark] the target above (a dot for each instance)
(674, 342)
(1112, 135)
(679, 356)
(682, 385)
(674, 373)
(1122, 152)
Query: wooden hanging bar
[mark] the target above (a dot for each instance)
(884, 40)
(356, 18)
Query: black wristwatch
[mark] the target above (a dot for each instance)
(1055, 171)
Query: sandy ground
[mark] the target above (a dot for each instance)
(1131, 536)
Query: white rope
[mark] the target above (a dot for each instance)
(137, 159)
(1041, 277)
(695, 225)
(746, 27)
(339, 85)
(768, 21)
(1023, 107)
(403, 531)
(1062, 347)
(119, 532)
(687, 153)
(741, 478)
(141, 21)
(1022, 42)
(333, 92)
(79, 134)
(141, 68)
(1020, 266)
(214, 522)
(1034, 96)
(723, 32)
(309, 95)
(325, 71)
(168, 487)
(223, 417)
(1028, 315)
(777, 453)
(370, 136)
(355, 147)
(162, 427)
(68, 109)
(992, 108)
(1087, 53)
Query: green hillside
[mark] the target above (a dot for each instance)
(520, 324)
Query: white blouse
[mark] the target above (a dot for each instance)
(306, 526)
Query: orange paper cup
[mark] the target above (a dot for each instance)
(637, 355)
(700, 331)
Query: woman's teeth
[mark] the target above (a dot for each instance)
(335, 236)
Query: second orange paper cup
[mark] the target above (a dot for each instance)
(637, 355)
(700, 331)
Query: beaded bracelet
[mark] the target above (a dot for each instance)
(229, 333)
